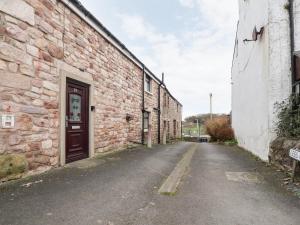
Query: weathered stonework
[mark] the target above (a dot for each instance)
(279, 152)
(39, 40)
(19, 9)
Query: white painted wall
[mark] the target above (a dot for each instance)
(280, 81)
(297, 24)
(260, 73)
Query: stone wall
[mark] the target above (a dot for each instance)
(279, 152)
(37, 39)
(171, 112)
(151, 104)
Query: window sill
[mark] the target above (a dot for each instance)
(149, 93)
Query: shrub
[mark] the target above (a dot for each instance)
(288, 113)
(219, 129)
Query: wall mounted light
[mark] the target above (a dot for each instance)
(255, 34)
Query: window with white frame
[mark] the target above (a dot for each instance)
(148, 83)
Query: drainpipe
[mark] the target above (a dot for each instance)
(292, 39)
(143, 105)
(181, 130)
(159, 108)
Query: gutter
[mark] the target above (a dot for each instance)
(292, 40)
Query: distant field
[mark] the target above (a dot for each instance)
(193, 131)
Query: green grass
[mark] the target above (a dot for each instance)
(231, 142)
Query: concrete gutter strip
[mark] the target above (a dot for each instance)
(169, 187)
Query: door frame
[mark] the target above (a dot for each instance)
(87, 79)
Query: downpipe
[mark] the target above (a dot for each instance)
(292, 42)
(143, 105)
(159, 110)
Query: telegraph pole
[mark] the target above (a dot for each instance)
(198, 128)
(210, 98)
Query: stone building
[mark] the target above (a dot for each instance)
(264, 69)
(69, 89)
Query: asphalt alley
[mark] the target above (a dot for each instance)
(222, 185)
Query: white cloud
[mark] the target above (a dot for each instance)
(195, 62)
(196, 58)
(219, 13)
(187, 3)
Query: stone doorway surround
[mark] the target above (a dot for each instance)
(67, 71)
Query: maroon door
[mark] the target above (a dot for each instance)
(77, 121)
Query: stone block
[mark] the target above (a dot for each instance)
(13, 67)
(37, 83)
(50, 152)
(54, 161)
(55, 51)
(36, 90)
(41, 159)
(33, 110)
(41, 122)
(37, 102)
(45, 27)
(11, 165)
(15, 80)
(34, 32)
(31, 94)
(22, 25)
(51, 104)
(16, 33)
(45, 56)
(19, 9)
(27, 70)
(35, 146)
(49, 93)
(14, 139)
(58, 34)
(9, 106)
(10, 19)
(50, 86)
(2, 65)
(38, 137)
(47, 144)
(13, 54)
(32, 50)
(48, 4)
(41, 43)
(24, 122)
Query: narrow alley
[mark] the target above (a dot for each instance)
(223, 185)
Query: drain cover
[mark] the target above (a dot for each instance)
(244, 177)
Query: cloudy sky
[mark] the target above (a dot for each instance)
(191, 41)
